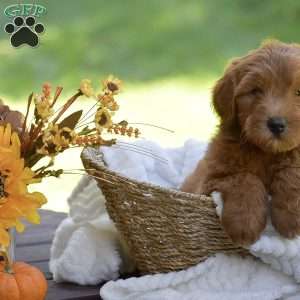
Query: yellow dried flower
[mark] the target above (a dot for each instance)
(51, 144)
(46, 89)
(105, 99)
(86, 88)
(123, 129)
(51, 130)
(55, 139)
(50, 147)
(15, 200)
(103, 119)
(43, 107)
(108, 101)
(114, 106)
(66, 136)
(112, 85)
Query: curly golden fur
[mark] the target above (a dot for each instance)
(256, 151)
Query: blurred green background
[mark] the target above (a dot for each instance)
(167, 52)
(142, 41)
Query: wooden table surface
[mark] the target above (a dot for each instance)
(33, 246)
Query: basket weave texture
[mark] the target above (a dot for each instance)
(164, 230)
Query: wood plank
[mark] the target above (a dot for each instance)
(69, 291)
(34, 253)
(48, 216)
(35, 237)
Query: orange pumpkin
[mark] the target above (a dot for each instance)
(22, 282)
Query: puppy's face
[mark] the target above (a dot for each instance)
(260, 94)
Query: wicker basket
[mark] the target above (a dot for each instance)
(165, 230)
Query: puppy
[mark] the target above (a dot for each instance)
(256, 151)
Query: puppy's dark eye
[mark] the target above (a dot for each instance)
(256, 92)
(297, 93)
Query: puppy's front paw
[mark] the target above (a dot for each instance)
(285, 221)
(243, 229)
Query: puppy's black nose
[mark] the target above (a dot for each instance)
(277, 125)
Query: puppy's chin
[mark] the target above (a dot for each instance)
(271, 144)
(278, 146)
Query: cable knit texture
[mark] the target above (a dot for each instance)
(87, 250)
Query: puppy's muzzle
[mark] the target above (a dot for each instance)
(277, 125)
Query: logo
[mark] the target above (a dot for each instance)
(24, 28)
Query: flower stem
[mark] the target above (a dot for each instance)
(57, 94)
(67, 105)
(7, 262)
(27, 112)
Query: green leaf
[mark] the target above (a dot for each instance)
(86, 130)
(32, 160)
(71, 120)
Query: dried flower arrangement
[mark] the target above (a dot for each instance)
(28, 148)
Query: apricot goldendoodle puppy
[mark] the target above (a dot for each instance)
(256, 151)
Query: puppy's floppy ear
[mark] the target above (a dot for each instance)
(223, 96)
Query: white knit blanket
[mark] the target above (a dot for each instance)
(86, 248)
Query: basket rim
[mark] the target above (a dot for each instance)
(100, 165)
(132, 223)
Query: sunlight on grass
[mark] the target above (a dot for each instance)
(183, 107)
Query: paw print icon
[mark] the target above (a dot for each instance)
(24, 31)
